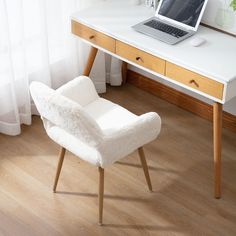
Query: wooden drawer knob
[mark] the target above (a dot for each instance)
(92, 37)
(139, 59)
(194, 82)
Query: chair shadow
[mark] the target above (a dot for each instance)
(149, 167)
(142, 227)
(107, 196)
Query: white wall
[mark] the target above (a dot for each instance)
(210, 14)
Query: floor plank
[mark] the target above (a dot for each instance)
(181, 170)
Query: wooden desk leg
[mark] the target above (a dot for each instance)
(90, 61)
(124, 71)
(217, 133)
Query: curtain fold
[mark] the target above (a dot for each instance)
(36, 44)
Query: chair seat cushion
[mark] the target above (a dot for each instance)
(109, 115)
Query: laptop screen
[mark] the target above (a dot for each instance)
(183, 11)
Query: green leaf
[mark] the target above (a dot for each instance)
(233, 4)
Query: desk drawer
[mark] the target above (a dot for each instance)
(194, 80)
(140, 57)
(94, 36)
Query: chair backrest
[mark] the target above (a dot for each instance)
(65, 113)
(81, 90)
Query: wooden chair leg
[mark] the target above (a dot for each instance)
(101, 194)
(59, 165)
(145, 167)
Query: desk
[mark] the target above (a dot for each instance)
(208, 70)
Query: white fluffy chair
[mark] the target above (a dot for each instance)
(94, 129)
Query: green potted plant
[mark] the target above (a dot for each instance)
(225, 17)
(233, 5)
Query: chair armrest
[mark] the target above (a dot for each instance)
(65, 113)
(121, 142)
(146, 123)
(81, 90)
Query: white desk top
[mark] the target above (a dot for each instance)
(215, 59)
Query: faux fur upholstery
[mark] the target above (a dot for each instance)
(77, 90)
(93, 128)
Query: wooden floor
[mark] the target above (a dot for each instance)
(180, 167)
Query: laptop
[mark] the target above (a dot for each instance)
(174, 21)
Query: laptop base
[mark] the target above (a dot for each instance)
(157, 34)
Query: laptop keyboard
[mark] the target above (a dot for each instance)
(178, 33)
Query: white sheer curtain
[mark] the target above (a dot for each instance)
(36, 44)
